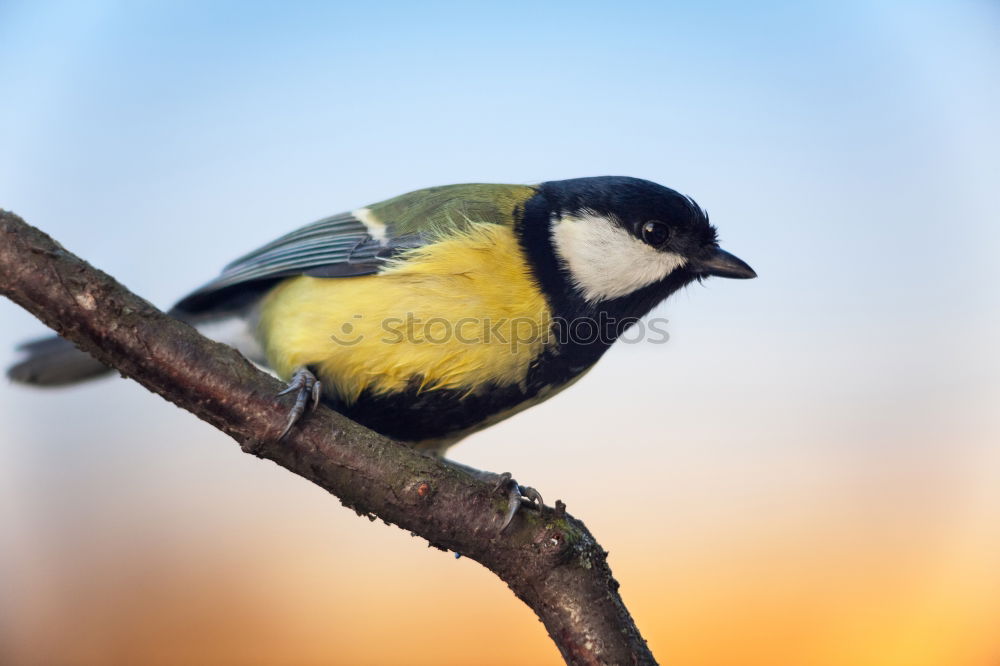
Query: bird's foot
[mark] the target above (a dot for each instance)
(517, 496)
(307, 391)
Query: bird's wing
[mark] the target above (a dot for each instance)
(358, 242)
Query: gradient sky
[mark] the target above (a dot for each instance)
(808, 473)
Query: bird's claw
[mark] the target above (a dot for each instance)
(517, 495)
(307, 392)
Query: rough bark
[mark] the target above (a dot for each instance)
(549, 558)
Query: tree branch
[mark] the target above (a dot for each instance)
(549, 559)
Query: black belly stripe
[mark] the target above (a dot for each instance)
(415, 415)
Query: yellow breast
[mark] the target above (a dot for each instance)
(458, 313)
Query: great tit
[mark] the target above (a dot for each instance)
(439, 312)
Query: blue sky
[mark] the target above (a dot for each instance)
(847, 150)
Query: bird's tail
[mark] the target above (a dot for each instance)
(55, 361)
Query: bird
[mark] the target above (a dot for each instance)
(437, 313)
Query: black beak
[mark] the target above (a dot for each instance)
(722, 264)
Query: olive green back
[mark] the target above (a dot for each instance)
(451, 207)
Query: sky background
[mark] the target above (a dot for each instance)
(808, 473)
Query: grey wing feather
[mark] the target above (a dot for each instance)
(328, 241)
(337, 246)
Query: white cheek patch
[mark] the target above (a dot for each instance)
(606, 261)
(376, 228)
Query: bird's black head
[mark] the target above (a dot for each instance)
(620, 244)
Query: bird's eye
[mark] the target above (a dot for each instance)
(655, 233)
